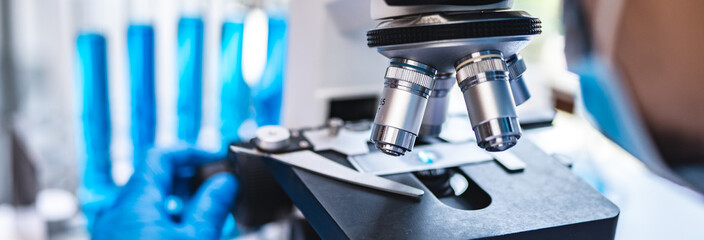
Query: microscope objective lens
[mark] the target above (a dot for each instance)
(407, 86)
(483, 78)
(516, 68)
(436, 111)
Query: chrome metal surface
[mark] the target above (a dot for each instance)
(516, 68)
(443, 54)
(519, 90)
(391, 140)
(445, 155)
(436, 111)
(400, 109)
(315, 163)
(430, 130)
(498, 134)
(403, 101)
(488, 100)
(483, 79)
(381, 10)
(415, 65)
(334, 125)
(440, 18)
(348, 142)
(480, 67)
(272, 138)
(482, 75)
(408, 80)
(443, 83)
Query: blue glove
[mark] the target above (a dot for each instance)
(139, 211)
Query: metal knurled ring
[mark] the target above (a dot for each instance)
(516, 68)
(473, 69)
(411, 76)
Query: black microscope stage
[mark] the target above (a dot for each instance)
(543, 201)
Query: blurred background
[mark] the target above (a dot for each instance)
(89, 86)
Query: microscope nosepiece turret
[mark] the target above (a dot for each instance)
(473, 45)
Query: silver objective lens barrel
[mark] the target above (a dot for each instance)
(516, 68)
(436, 111)
(483, 79)
(398, 118)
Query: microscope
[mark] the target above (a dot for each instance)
(427, 44)
(396, 177)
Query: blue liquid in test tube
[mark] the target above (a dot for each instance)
(235, 95)
(97, 185)
(140, 46)
(190, 68)
(267, 100)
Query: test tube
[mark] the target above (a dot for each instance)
(268, 92)
(235, 97)
(140, 51)
(97, 185)
(190, 71)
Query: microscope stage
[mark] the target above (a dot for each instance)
(544, 201)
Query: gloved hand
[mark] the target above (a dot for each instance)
(139, 211)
